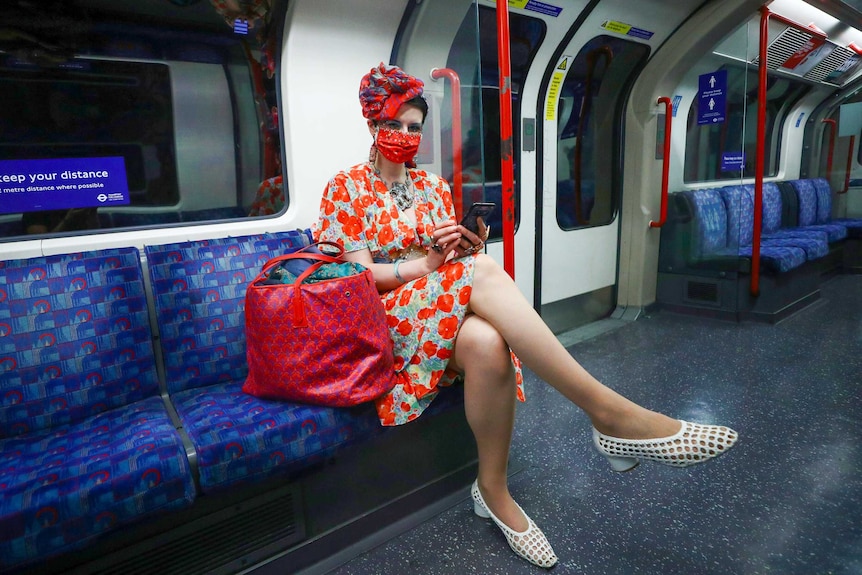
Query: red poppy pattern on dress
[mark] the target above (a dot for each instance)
(269, 198)
(425, 314)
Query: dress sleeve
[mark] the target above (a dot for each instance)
(339, 221)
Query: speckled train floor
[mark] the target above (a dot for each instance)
(786, 500)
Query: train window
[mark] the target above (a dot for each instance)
(590, 105)
(707, 146)
(125, 114)
(480, 103)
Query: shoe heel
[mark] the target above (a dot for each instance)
(480, 510)
(622, 464)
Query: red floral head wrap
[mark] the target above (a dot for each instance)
(384, 89)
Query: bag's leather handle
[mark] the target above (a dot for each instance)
(301, 254)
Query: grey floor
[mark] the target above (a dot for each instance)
(786, 500)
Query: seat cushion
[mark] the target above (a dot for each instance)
(776, 258)
(240, 438)
(814, 248)
(67, 486)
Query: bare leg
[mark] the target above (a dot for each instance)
(482, 355)
(497, 299)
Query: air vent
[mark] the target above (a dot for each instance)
(834, 67)
(216, 544)
(784, 47)
(702, 292)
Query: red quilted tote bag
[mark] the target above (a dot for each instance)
(324, 343)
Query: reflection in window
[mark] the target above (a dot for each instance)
(710, 148)
(89, 108)
(480, 104)
(589, 132)
(170, 89)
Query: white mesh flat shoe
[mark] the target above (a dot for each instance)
(530, 544)
(693, 443)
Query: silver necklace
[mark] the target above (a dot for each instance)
(401, 192)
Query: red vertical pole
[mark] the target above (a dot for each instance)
(759, 160)
(506, 142)
(832, 123)
(665, 167)
(457, 161)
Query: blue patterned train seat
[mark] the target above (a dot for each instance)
(713, 237)
(739, 201)
(86, 443)
(199, 290)
(824, 209)
(813, 218)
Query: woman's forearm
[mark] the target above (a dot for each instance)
(408, 270)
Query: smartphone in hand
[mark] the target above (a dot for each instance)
(477, 210)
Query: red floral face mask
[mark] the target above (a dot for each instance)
(396, 146)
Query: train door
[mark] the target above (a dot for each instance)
(579, 216)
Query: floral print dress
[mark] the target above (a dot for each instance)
(424, 314)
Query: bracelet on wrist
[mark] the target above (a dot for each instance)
(398, 275)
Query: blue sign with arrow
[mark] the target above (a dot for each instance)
(712, 97)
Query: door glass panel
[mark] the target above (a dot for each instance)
(475, 60)
(589, 135)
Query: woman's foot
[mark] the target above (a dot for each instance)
(529, 543)
(693, 443)
(500, 502)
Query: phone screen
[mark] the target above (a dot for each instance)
(477, 210)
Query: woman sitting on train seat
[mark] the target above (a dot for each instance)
(454, 312)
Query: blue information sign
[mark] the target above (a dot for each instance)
(35, 185)
(732, 161)
(712, 97)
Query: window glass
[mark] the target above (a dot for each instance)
(127, 114)
(708, 146)
(477, 68)
(589, 135)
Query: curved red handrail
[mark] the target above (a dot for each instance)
(506, 142)
(832, 123)
(457, 159)
(665, 168)
(765, 16)
(849, 165)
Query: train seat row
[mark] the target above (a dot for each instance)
(706, 245)
(114, 410)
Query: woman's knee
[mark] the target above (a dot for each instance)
(480, 346)
(487, 274)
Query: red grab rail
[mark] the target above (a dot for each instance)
(849, 165)
(665, 167)
(457, 159)
(506, 142)
(765, 15)
(832, 123)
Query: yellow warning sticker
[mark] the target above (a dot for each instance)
(617, 27)
(518, 3)
(554, 95)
